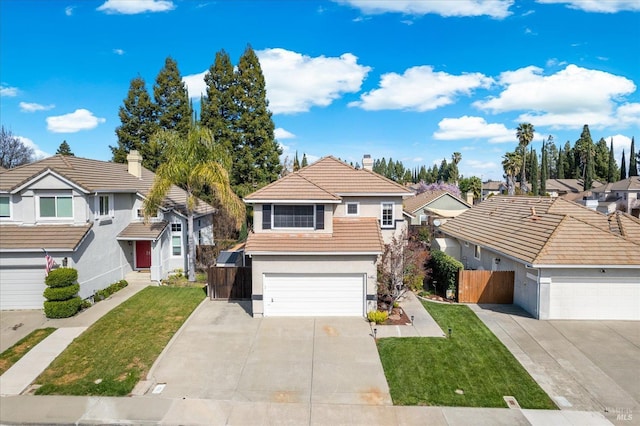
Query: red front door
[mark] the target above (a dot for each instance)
(143, 254)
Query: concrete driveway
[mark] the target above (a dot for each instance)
(582, 365)
(222, 353)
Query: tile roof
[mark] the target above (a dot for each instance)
(567, 185)
(143, 231)
(630, 184)
(545, 231)
(350, 235)
(415, 203)
(95, 176)
(49, 237)
(332, 176)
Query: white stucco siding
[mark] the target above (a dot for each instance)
(305, 264)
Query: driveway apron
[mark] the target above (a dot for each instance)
(223, 353)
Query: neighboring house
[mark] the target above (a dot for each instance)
(623, 195)
(570, 262)
(493, 187)
(87, 214)
(567, 188)
(317, 237)
(428, 206)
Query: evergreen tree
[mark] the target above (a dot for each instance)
(64, 149)
(138, 123)
(623, 167)
(433, 174)
(570, 162)
(454, 173)
(633, 160)
(544, 169)
(613, 168)
(304, 160)
(443, 171)
(257, 155)
(422, 174)
(552, 158)
(560, 165)
(585, 152)
(172, 99)
(524, 133)
(296, 163)
(535, 173)
(601, 161)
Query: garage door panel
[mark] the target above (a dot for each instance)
(595, 299)
(313, 295)
(21, 288)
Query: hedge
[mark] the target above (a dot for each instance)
(62, 309)
(444, 270)
(61, 293)
(61, 277)
(106, 292)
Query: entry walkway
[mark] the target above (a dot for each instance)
(16, 380)
(423, 324)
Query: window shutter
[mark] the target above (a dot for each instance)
(320, 216)
(266, 216)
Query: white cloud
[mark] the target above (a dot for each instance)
(80, 119)
(33, 107)
(494, 8)
(8, 91)
(119, 52)
(68, 10)
(620, 143)
(281, 133)
(196, 87)
(37, 152)
(296, 83)
(629, 114)
(599, 6)
(420, 89)
(132, 7)
(567, 99)
(473, 128)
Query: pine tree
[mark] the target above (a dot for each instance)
(633, 160)
(257, 155)
(172, 100)
(613, 168)
(535, 173)
(585, 152)
(138, 123)
(64, 149)
(601, 160)
(296, 163)
(560, 165)
(623, 167)
(544, 169)
(304, 160)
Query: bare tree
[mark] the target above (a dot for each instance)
(13, 152)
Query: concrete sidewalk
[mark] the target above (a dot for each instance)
(423, 324)
(16, 380)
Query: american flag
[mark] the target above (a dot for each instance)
(48, 260)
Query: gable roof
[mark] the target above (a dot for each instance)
(328, 179)
(95, 176)
(629, 184)
(423, 199)
(544, 231)
(32, 238)
(568, 185)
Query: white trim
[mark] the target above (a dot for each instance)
(629, 266)
(393, 214)
(49, 172)
(375, 194)
(477, 252)
(55, 218)
(347, 204)
(179, 234)
(313, 253)
(292, 201)
(10, 217)
(110, 201)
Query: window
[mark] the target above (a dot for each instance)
(293, 216)
(176, 239)
(5, 208)
(352, 209)
(387, 215)
(56, 206)
(476, 252)
(104, 205)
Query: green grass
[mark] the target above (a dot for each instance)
(118, 350)
(24, 345)
(428, 371)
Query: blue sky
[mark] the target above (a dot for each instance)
(410, 80)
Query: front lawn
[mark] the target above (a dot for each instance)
(24, 345)
(473, 362)
(118, 350)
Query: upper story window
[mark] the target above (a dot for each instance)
(176, 239)
(104, 205)
(56, 206)
(5, 206)
(353, 209)
(293, 216)
(140, 214)
(477, 252)
(386, 215)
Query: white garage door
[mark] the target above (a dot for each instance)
(21, 288)
(598, 299)
(314, 295)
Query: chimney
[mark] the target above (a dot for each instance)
(134, 160)
(367, 162)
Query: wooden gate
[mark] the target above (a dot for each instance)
(229, 283)
(485, 286)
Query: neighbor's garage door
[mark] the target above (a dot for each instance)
(595, 298)
(21, 288)
(313, 295)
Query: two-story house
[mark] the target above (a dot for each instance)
(317, 237)
(622, 195)
(87, 214)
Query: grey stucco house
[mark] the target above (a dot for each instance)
(87, 215)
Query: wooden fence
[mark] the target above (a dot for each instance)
(229, 283)
(485, 286)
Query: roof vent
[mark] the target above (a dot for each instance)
(134, 161)
(367, 162)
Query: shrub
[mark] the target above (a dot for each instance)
(108, 291)
(86, 304)
(62, 309)
(414, 282)
(61, 277)
(377, 316)
(61, 293)
(445, 269)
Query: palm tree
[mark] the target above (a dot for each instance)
(524, 133)
(511, 163)
(196, 164)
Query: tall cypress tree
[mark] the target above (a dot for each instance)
(257, 155)
(633, 160)
(560, 165)
(623, 167)
(585, 152)
(296, 163)
(138, 123)
(534, 173)
(305, 163)
(613, 168)
(601, 160)
(172, 100)
(544, 169)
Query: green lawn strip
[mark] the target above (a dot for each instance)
(118, 350)
(24, 345)
(428, 371)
